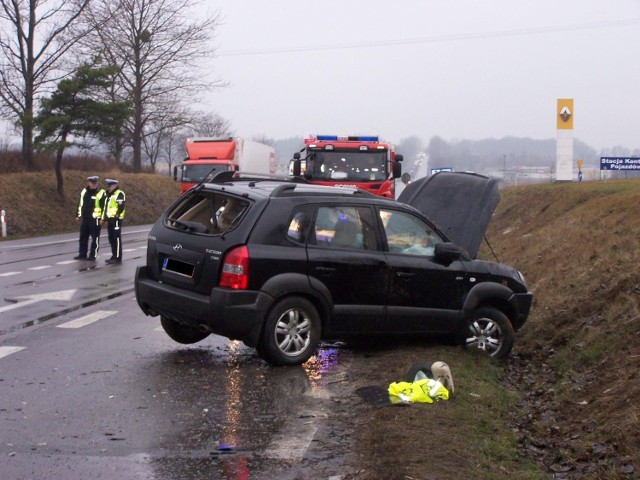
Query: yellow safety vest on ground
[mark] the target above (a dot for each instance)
(425, 390)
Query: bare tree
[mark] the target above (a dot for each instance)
(200, 124)
(169, 117)
(160, 52)
(173, 147)
(205, 124)
(35, 35)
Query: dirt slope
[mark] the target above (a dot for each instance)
(577, 359)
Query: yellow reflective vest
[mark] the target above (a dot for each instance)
(115, 204)
(97, 205)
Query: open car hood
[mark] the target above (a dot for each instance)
(459, 203)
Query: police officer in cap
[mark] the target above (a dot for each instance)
(113, 215)
(89, 214)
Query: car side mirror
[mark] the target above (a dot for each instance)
(295, 166)
(447, 252)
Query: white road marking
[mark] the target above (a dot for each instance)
(66, 262)
(4, 351)
(88, 319)
(63, 295)
(8, 274)
(129, 250)
(41, 267)
(294, 446)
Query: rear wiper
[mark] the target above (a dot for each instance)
(233, 222)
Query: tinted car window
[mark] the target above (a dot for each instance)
(338, 227)
(407, 234)
(207, 213)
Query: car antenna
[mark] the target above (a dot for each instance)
(204, 179)
(491, 248)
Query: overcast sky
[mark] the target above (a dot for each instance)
(460, 69)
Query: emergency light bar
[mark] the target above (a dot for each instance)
(338, 138)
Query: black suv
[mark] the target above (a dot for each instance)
(282, 265)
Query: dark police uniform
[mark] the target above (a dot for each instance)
(89, 213)
(113, 215)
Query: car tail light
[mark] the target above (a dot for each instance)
(235, 269)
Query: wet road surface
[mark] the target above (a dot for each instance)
(91, 388)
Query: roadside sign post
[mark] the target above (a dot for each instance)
(579, 170)
(3, 217)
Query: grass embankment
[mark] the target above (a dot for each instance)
(33, 206)
(565, 403)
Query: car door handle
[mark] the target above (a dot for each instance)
(325, 269)
(405, 274)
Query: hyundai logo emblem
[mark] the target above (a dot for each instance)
(177, 247)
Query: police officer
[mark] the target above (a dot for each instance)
(89, 214)
(112, 216)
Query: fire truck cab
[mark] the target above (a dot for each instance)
(349, 161)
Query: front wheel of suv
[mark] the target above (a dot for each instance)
(489, 330)
(182, 333)
(291, 332)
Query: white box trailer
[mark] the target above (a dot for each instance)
(206, 155)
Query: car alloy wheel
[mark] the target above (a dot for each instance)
(292, 332)
(489, 330)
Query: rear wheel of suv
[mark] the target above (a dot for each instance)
(182, 333)
(489, 330)
(291, 332)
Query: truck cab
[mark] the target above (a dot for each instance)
(361, 162)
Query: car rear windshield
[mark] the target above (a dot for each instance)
(208, 213)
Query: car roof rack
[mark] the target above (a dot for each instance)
(238, 176)
(313, 189)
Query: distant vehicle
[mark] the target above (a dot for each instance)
(357, 161)
(211, 155)
(281, 265)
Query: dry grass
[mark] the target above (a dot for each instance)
(33, 206)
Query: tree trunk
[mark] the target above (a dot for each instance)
(58, 167)
(27, 137)
(137, 124)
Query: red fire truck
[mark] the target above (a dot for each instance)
(356, 161)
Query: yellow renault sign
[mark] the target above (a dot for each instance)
(565, 114)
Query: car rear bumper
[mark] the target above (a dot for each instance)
(241, 318)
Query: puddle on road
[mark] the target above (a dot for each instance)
(239, 416)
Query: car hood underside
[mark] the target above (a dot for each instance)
(459, 203)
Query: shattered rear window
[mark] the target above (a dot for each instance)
(208, 213)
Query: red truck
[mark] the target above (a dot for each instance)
(354, 161)
(207, 155)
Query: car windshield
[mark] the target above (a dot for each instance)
(207, 213)
(354, 165)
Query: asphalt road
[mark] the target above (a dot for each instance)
(92, 388)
